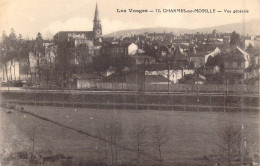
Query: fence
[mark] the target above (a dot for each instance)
(181, 87)
(157, 101)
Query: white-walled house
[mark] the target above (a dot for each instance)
(10, 71)
(215, 52)
(174, 75)
(132, 49)
(13, 71)
(200, 58)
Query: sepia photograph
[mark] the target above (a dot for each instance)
(129, 83)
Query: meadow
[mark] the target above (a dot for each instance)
(190, 136)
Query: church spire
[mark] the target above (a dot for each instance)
(96, 16)
(97, 28)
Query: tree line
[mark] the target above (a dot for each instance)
(41, 61)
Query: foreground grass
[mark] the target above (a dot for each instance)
(192, 135)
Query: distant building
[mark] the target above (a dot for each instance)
(134, 76)
(132, 49)
(142, 59)
(255, 42)
(83, 37)
(236, 61)
(130, 76)
(199, 56)
(116, 50)
(85, 81)
(14, 71)
(174, 73)
(82, 45)
(193, 79)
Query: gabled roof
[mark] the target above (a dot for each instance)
(244, 53)
(235, 53)
(201, 50)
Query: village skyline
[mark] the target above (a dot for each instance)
(28, 18)
(215, 57)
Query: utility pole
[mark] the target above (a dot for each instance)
(144, 75)
(225, 96)
(258, 82)
(197, 93)
(210, 101)
(168, 77)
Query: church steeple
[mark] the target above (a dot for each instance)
(96, 16)
(97, 28)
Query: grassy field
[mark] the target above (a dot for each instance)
(192, 135)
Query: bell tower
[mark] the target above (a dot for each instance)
(97, 28)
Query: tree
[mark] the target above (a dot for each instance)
(115, 131)
(103, 62)
(12, 48)
(208, 39)
(250, 49)
(83, 57)
(111, 132)
(232, 145)
(9, 53)
(138, 139)
(64, 61)
(50, 61)
(3, 54)
(33, 139)
(235, 38)
(39, 52)
(214, 32)
(160, 137)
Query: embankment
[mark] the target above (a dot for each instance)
(176, 102)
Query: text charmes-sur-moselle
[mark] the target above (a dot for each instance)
(182, 10)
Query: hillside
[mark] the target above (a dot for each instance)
(250, 27)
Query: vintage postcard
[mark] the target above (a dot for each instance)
(129, 82)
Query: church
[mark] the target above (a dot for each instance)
(89, 38)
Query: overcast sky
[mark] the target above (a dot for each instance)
(50, 16)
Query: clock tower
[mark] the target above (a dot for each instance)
(97, 28)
